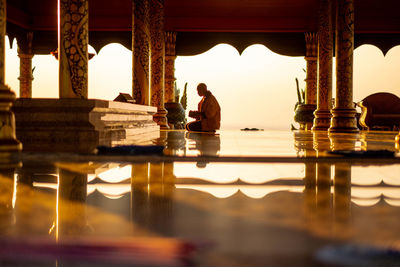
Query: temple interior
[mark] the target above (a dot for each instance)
(91, 182)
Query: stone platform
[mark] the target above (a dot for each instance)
(80, 125)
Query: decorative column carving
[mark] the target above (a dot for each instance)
(157, 58)
(8, 140)
(344, 113)
(73, 48)
(325, 52)
(170, 56)
(312, 71)
(25, 78)
(305, 111)
(140, 52)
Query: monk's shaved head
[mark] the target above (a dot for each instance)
(201, 89)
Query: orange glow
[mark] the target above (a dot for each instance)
(251, 88)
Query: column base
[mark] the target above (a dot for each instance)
(8, 139)
(322, 120)
(161, 118)
(343, 121)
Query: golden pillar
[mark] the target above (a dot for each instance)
(322, 115)
(312, 71)
(140, 52)
(8, 139)
(157, 60)
(305, 111)
(344, 113)
(25, 78)
(170, 56)
(73, 39)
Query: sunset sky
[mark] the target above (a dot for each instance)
(255, 89)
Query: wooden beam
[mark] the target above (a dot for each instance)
(18, 17)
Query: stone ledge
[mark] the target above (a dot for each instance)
(81, 124)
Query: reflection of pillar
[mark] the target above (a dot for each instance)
(6, 199)
(343, 141)
(25, 55)
(304, 148)
(342, 192)
(323, 178)
(310, 189)
(24, 200)
(140, 49)
(139, 192)
(8, 140)
(157, 58)
(152, 193)
(170, 56)
(71, 209)
(343, 115)
(324, 188)
(73, 39)
(310, 184)
(325, 43)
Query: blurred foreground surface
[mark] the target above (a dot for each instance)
(230, 199)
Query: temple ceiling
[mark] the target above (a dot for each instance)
(278, 24)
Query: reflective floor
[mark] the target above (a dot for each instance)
(231, 199)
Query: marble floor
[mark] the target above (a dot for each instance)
(235, 198)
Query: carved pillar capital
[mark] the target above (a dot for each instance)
(311, 45)
(25, 43)
(170, 43)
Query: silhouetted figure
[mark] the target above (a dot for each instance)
(208, 115)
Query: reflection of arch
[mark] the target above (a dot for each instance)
(262, 191)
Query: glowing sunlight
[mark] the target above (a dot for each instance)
(255, 89)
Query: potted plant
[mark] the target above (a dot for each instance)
(177, 110)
